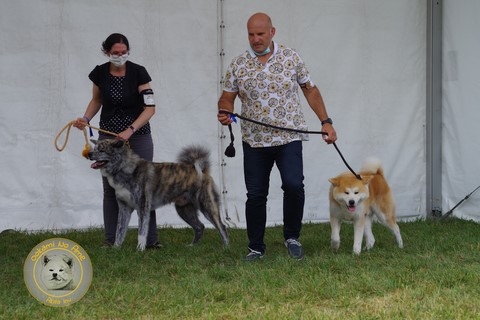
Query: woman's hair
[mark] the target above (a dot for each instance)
(113, 39)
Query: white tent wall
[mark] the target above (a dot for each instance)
(49, 47)
(367, 57)
(461, 95)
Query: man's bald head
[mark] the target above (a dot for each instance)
(259, 18)
(260, 33)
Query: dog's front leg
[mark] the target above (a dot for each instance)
(124, 214)
(358, 229)
(368, 234)
(143, 221)
(335, 225)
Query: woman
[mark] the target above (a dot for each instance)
(121, 90)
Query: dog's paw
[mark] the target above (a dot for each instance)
(335, 245)
(369, 245)
(142, 242)
(357, 250)
(399, 240)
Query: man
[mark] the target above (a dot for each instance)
(266, 77)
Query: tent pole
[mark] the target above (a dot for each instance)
(433, 141)
(221, 129)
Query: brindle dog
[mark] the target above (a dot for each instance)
(144, 186)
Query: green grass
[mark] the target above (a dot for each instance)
(436, 276)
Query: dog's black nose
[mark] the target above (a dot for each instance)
(351, 202)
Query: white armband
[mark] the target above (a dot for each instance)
(148, 99)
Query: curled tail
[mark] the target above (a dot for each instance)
(372, 165)
(197, 156)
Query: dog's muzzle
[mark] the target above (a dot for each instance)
(98, 164)
(351, 206)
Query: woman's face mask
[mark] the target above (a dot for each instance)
(118, 60)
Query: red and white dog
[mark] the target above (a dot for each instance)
(357, 200)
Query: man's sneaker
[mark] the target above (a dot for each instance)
(295, 249)
(253, 255)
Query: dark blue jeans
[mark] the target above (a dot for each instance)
(143, 146)
(258, 164)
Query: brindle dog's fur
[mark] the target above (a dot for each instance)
(144, 186)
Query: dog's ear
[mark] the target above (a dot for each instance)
(93, 141)
(45, 260)
(334, 182)
(119, 143)
(68, 260)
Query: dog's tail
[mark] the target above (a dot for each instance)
(197, 156)
(372, 165)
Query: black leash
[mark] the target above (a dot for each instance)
(449, 212)
(230, 151)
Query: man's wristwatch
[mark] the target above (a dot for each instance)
(328, 120)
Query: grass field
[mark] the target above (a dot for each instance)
(436, 276)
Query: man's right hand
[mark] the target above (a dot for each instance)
(224, 117)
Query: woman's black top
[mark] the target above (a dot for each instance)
(121, 101)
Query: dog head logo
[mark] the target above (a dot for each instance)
(107, 153)
(349, 191)
(57, 272)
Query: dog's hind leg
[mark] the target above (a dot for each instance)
(395, 229)
(390, 223)
(213, 215)
(209, 206)
(189, 214)
(124, 214)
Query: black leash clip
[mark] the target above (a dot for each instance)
(230, 150)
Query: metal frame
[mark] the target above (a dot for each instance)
(433, 141)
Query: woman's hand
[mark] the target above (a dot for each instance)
(125, 134)
(80, 123)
